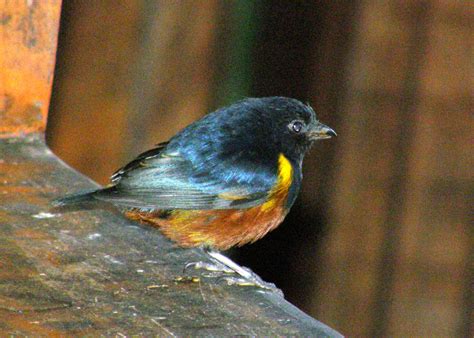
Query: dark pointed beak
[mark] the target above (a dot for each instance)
(321, 132)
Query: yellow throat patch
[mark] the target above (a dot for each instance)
(280, 190)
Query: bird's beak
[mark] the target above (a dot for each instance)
(321, 132)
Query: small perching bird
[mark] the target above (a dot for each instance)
(223, 181)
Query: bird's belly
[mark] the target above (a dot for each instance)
(223, 229)
(219, 229)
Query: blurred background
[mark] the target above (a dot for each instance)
(380, 241)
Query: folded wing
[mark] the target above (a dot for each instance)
(165, 180)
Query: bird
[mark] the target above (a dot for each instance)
(225, 180)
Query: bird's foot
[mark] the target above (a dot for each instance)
(223, 265)
(211, 267)
(255, 281)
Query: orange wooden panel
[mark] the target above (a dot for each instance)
(28, 32)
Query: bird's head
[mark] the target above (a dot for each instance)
(292, 126)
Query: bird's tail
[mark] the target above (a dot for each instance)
(75, 199)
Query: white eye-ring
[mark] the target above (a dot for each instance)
(296, 126)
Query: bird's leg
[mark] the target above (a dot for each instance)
(229, 264)
(225, 264)
(212, 267)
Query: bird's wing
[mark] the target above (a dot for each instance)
(164, 180)
(137, 162)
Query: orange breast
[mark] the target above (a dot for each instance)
(222, 229)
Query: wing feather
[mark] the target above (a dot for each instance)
(158, 180)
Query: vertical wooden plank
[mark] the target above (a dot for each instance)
(434, 268)
(172, 87)
(134, 73)
(237, 26)
(397, 260)
(28, 33)
(98, 47)
(363, 209)
(329, 58)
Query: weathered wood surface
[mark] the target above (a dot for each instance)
(94, 272)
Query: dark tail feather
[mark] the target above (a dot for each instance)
(74, 199)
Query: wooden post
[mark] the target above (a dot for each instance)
(28, 31)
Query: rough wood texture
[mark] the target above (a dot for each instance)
(94, 272)
(28, 32)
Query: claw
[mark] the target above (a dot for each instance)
(238, 281)
(244, 282)
(224, 265)
(208, 267)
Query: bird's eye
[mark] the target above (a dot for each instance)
(296, 126)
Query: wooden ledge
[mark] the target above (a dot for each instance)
(94, 272)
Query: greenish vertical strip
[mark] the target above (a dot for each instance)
(241, 24)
